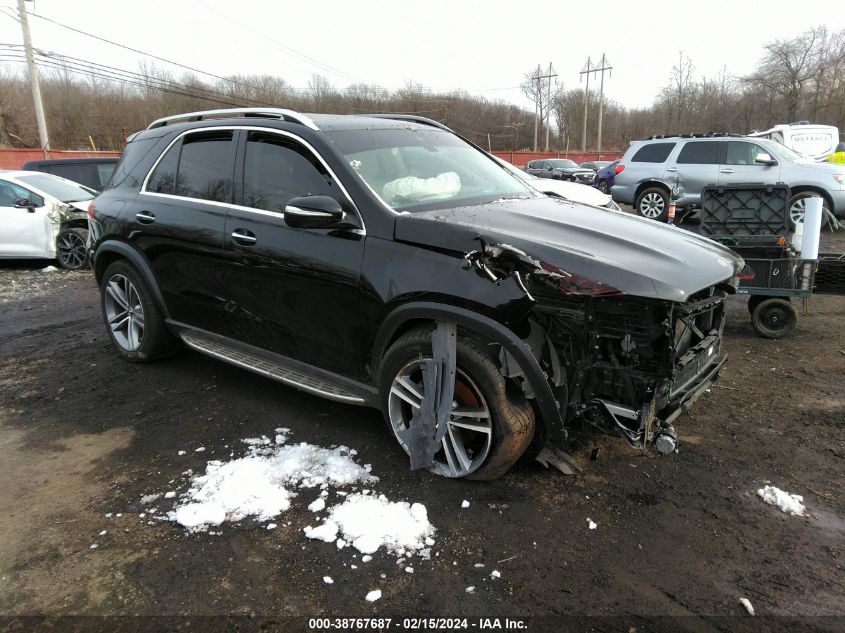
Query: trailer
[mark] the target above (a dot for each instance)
(753, 220)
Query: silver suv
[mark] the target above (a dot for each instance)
(651, 168)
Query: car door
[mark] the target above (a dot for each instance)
(739, 166)
(179, 220)
(25, 231)
(295, 292)
(692, 167)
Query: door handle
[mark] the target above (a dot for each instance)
(727, 171)
(244, 237)
(671, 169)
(145, 217)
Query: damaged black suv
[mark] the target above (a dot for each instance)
(385, 261)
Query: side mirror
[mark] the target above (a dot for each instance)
(23, 203)
(765, 159)
(313, 212)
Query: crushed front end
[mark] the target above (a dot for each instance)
(625, 364)
(633, 365)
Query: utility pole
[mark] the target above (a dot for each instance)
(538, 96)
(603, 66)
(549, 75)
(33, 79)
(537, 100)
(586, 70)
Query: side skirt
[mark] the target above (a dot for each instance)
(286, 370)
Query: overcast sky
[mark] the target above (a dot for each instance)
(483, 47)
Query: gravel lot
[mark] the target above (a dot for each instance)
(83, 434)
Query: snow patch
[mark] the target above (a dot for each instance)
(49, 269)
(591, 524)
(257, 485)
(318, 505)
(328, 580)
(369, 523)
(465, 504)
(326, 532)
(374, 595)
(789, 503)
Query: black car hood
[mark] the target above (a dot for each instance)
(636, 256)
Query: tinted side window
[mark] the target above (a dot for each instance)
(134, 164)
(653, 153)
(163, 179)
(277, 169)
(741, 153)
(700, 153)
(206, 166)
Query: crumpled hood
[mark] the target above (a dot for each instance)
(636, 256)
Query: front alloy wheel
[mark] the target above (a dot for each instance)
(468, 438)
(72, 251)
(124, 312)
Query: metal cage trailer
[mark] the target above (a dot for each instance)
(753, 220)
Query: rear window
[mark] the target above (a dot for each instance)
(700, 153)
(653, 153)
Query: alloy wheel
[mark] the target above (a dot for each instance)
(651, 205)
(796, 211)
(469, 435)
(71, 250)
(124, 312)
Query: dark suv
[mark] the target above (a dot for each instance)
(385, 261)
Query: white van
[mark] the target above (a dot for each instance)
(810, 140)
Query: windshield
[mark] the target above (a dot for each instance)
(563, 163)
(59, 188)
(426, 169)
(781, 151)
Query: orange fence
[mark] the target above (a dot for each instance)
(521, 158)
(15, 158)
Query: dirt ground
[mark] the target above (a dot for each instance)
(681, 538)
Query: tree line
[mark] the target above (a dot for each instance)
(87, 107)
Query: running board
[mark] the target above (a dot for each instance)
(276, 371)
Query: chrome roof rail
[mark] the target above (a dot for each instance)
(278, 113)
(412, 118)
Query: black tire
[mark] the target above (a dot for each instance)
(774, 318)
(512, 417)
(156, 340)
(72, 249)
(755, 300)
(653, 203)
(603, 186)
(800, 196)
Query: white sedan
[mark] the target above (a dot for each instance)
(572, 191)
(43, 217)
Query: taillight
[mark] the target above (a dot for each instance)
(91, 210)
(618, 170)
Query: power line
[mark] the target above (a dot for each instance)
(135, 50)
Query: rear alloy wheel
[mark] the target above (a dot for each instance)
(774, 318)
(487, 429)
(135, 323)
(71, 248)
(603, 187)
(653, 203)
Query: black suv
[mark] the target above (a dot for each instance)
(385, 261)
